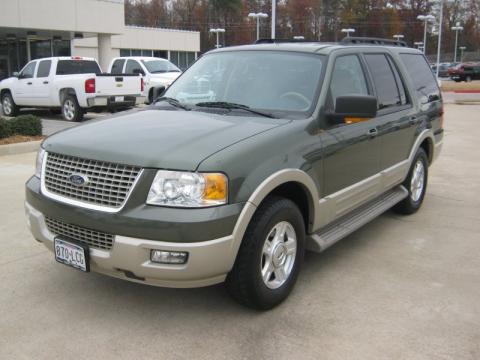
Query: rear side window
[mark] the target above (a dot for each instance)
(348, 77)
(426, 86)
(44, 68)
(117, 66)
(390, 91)
(70, 67)
(133, 67)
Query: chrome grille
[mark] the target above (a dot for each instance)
(86, 236)
(108, 183)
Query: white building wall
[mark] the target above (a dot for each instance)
(90, 16)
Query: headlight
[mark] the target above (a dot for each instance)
(38, 164)
(188, 189)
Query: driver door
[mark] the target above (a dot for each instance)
(23, 90)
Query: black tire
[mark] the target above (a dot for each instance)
(9, 108)
(245, 283)
(71, 110)
(412, 203)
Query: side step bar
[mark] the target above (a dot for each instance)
(344, 226)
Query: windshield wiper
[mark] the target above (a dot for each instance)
(173, 102)
(231, 106)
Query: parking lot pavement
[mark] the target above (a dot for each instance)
(399, 288)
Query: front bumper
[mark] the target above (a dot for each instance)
(129, 258)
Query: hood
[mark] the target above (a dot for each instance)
(7, 81)
(167, 139)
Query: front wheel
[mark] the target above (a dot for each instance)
(269, 259)
(9, 107)
(416, 184)
(71, 110)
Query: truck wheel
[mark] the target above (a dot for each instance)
(71, 110)
(416, 184)
(9, 107)
(270, 256)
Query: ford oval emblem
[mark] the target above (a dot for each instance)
(78, 179)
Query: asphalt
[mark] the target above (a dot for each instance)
(399, 288)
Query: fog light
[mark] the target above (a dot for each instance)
(168, 257)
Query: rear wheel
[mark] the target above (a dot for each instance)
(269, 259)
(71, 110)
(416, 184)
(9, 107)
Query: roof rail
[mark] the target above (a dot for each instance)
(355, 40)
(280, 41)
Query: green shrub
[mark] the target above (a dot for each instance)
(29, 125)
(5, 128)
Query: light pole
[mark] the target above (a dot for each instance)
(462, 49)
(456, 28)
(425, 19)
(258, 16)
(217, 31)
(440, 25)
(274, 11)
(398, 37)
(348, 31)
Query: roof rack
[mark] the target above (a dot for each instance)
(280, 41)
(355, 40)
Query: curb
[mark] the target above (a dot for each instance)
(20, 148)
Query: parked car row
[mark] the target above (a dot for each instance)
(458, 71)
(75, 85)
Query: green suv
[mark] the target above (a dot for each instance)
(254, 155)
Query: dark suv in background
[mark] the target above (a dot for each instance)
(465, 72)
(253, 155)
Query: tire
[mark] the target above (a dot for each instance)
(9, 108)
(245, 282)
(71, 110)
(416, 194)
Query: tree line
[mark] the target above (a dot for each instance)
(313, 19)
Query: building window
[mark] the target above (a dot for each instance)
(147, 52)
(124, 52)
(136, 52)
(160, 54)
(183, 59)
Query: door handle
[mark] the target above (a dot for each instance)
(372, 132)
(29, 83)
(45, 82)
(413, 120)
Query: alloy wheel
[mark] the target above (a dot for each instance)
(417, 181)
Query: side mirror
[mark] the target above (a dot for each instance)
(16, 74)
(139, 72)
(353, 108)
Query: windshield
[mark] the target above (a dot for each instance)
(276, 81)
(160, 66)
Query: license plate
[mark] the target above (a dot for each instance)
(72, 254)
(119, 98)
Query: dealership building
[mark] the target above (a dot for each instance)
(32, 29)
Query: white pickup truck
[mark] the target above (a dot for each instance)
(72, 85)
(157, 73)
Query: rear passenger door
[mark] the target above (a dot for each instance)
(396, 118)
(41, 83)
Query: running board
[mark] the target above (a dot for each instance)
(344, 226)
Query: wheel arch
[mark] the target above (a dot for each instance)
(287, 183)
(62, 93)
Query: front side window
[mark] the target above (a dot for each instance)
(388, 93)
(28, 70)
(44, 68)
(348, 77)
(269, 80)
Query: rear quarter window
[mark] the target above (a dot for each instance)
(424, 81)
